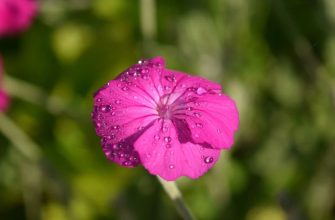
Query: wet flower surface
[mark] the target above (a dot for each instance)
(172, 123)
(16, 15)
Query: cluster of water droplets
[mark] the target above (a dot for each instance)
(138, 71)
(122, 153)
(103, 114)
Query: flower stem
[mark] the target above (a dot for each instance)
(173, 192)
(33, 94)
(30, 171)
(19, 138)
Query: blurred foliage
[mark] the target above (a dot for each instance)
(276, 58)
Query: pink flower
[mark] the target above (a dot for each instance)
(16, 15)
(4, 99)
(172, 123)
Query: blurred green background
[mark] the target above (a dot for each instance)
(276, 58)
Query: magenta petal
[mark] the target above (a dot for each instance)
(4, 101)
(16, 15)
(212, 118)
(172, 123)
(162, 154)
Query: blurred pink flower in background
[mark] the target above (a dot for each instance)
(170, 122)
(4, 99)
(16, 15)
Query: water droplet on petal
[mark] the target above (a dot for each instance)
(201, 91)
(166, 88)
(99, 99)
(189, 108)
(196, 114)
(148, 155)
(171, 166)
(165, 129)
(199, 125)
(156, 137)
(105, 109)
(127, 163)
(125, 88)
(117, 101)
(140, 128)
(167, 139)
(170, 78)
(168, 145)
(115, 146)
(208, 160)
(113, 113)
(115, 127)
(98, 124)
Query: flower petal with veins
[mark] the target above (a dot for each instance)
(172, 123)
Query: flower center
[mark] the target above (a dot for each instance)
(164, 111)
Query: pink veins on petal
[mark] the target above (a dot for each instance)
(170, 122)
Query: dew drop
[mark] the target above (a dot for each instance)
(125, 88)
(142, 62)
(109, 137)
(140, 128)
(156, 137)
(199, 125)
(106, 108)
(99, 99)
(166, 88)
(115, 146)
(117, 101)
(167, 139)
(148, 155)
(98, 124)
(170, 78)
(127, 163)
(171, 166)
(189, 108)
(196, 114)
(208, 160)
(115, 127)
(165, 129)
(113, 113)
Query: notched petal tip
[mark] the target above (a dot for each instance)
(158, 60)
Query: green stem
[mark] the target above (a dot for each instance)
(30, 171)
(173, 192)
(33, 94)
(19, 138)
